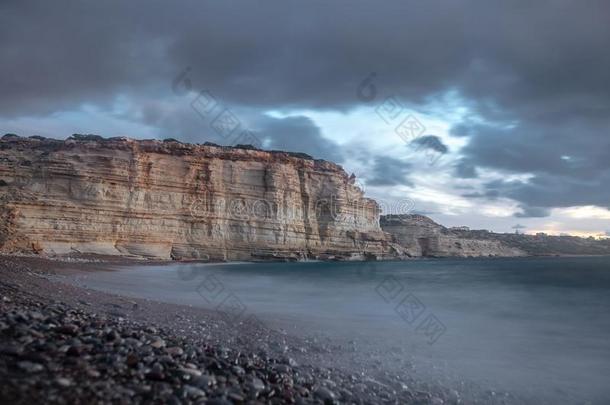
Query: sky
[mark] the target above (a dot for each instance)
(476, 113)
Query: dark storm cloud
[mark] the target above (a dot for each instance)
(568, 158)
(464, 170)
(57, 57)
(387, 171)
(431, 142)
(311, 54)
(297, 134)
(540, 69)
(533, 212)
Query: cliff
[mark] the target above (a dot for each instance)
(421, 236)
(162, 200)
(544, 245)
(169, 200)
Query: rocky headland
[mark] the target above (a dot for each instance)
(421, 236)
(167, 200)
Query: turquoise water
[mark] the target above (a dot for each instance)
(537, 327)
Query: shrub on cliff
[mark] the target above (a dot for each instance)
(87, 137)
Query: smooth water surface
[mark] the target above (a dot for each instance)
(538, 327)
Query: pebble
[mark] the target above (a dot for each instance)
(11, 350)
(325, 394)
(69, 329)
(191, 372)
(257, 384)
(290, 361)
(158, 343)
(203, 381)
(239, 371)
(156, 373)
(63, 382)
(236, 397)
(193, 392)
(112, 335)
(94, 358)
(93, 373)
(132, 360)
(30, 367)
(282, 368)
(175, 351)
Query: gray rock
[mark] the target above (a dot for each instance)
(30, 367)
(63, 382)
(203, 381)
(174, 351)
(238, 370)
(256, 384)
(158, 343)
(325, 395)
(68, 329)
(193, 392)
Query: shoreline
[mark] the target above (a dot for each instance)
(103, 261)
(57, 336)
(38, 295)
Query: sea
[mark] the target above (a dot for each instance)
(534, 329)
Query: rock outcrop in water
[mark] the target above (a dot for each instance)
(420, 236)
(155, 199)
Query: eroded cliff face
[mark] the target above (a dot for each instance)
(421, 236)
(167, 200)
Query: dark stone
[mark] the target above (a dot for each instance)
(68, 329)
(132, 360)
(156, 373)
(325, 395)
(203, 381)
(112, 335)
(74, 351)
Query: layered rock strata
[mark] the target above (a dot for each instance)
(421, 236)
(162, 200)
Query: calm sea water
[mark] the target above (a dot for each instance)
(536, 327)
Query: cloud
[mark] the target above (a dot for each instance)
(431, 142)
(533, 212)
(464, 170)
(388, 171)
(268, 54)
(294, 133)
(567, 158)
(535, 76)
(297, 134)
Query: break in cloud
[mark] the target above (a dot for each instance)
(516, 95)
